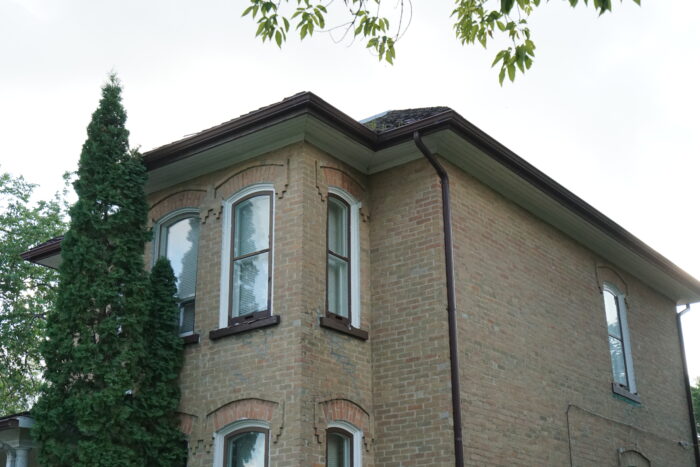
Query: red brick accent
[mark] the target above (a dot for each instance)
(190, 198)
(328, 174)
(255, 409)
(186, 422)
(342, 410)
(257, 172)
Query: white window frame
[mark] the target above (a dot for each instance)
(166, 221)
(220, 436)
(357, 437)
(224, 290)
(624, 329)
(355, 296)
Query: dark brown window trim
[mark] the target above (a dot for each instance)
(235, 321)
(264, 431)
(190, 339)
(345, 434)
(243, 327)
(624, 392)
(333, 322)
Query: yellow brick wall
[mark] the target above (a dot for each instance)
(534, 361)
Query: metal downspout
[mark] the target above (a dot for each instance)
(451, 308)
(688, 394)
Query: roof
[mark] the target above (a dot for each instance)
(306, 117)
(18, 420)
(393, 119)
(45, 253)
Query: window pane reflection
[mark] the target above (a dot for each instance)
(252, 226)
(612, 314)
(618, 361)
(250, 283)
(338, 298)
(337, 226)
(181, 242)
(246, 450)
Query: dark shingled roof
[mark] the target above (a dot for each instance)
(42, 250)
(396, 118)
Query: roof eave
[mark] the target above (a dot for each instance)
(308, 104)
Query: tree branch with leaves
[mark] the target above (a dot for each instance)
(474, 21)
(27, 291)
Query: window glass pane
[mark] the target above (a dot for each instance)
(187, 317)
(246, 450)
(338, 298)
(250, 282)
(337, 226)
(612, 315)
(252, 226)
(181, 242)
(338, 450)
(618, 361)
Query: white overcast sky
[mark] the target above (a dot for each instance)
(609, 109)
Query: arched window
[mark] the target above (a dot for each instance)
(343, 257)
(177, 238)
(246, 272)
(343, 445)
(618, 339)
(242, 444)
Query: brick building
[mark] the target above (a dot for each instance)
(310, 251)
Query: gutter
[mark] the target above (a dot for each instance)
(451, 298)
(688, 394)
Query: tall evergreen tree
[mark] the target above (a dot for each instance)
(160, 393)
(87, 414)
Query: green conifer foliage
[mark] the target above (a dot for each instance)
(87, 414)
(160, 393)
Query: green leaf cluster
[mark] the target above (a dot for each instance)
(104, 401)
(27, 291)
(475, 21)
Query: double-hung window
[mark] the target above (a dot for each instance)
(342, 261)
(338, 448)
(178, 241)
(247, 259)
(339, 264)
(343, 445)
(251, 257)
(242, 444)
(618, 339)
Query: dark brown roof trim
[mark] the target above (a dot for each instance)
(309, 103)
(43, 250)
(11, 421)
(299, 104)
(455, 122)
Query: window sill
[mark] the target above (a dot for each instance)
(190, 339)
(243, 327)
(624, 393)
(337, 325)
